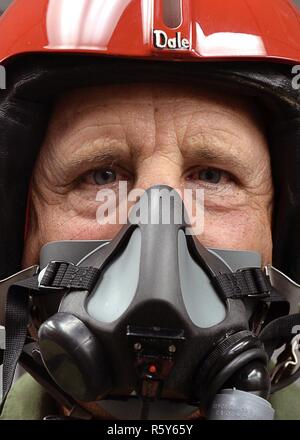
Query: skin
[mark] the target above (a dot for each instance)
(150, 134)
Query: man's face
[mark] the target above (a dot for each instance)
(150, 134)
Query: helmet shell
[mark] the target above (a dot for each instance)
(211, 29)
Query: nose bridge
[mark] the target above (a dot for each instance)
(160, 169)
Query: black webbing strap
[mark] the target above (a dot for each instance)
(57, 275)
(250, 282)
(16, 322)
(68, 276)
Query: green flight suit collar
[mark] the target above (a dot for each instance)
(28, 400)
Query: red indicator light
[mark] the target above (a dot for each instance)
(152, 369)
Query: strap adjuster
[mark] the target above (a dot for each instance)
(249, 282)
(61, 275)
(48, 274)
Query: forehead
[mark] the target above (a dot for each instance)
(154, 94)
(140, 120)
(131, 109)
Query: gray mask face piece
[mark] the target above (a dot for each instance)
(155, 311)
(116, 290)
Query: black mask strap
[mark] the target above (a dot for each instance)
(58, 275)
(17, 319)
(253, 283)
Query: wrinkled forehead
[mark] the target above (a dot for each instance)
(155, 93)
(112, 102)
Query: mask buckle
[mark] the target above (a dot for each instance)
(47, 275)
(62, 275)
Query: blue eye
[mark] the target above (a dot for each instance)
(104, 176)
(210, 175)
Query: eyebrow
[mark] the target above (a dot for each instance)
(104, 156)
(221, 158)
(108, 155)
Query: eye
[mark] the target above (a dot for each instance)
(211, 176)
(103, 176)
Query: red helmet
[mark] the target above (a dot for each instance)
(189, 30)
(53, 45)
